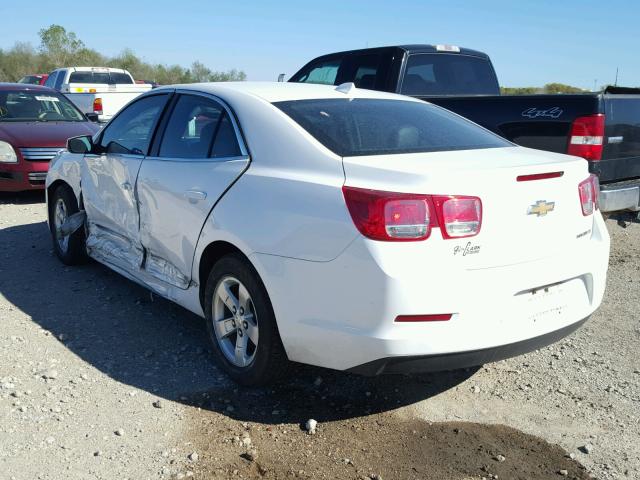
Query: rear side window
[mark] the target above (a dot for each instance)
(130, 132)
(226, 142)
(190, 130)
(355, 127)
(448, 74)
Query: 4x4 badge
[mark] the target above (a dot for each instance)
(541, 208)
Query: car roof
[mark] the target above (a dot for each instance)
(409, 48)
(282, 91)
(25, 87)
(94, 69)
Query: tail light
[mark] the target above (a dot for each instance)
(97, 106)
(459, 216)
(589, 190)
(397, 217)
(587, 136)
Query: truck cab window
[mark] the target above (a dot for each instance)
(51, 80)
(448, 74)
(324, 72)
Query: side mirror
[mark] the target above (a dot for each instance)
(83, 144)
(92, 117)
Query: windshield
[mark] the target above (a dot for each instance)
(448, 74)
(362, 126)
(30, 79)
(36, 106)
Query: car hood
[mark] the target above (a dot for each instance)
(44, 134)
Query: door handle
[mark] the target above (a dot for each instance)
(126, 186)
(195, 196)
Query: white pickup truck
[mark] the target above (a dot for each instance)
(99, 92)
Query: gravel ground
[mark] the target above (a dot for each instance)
(99, 379)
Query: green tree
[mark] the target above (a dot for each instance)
(59, 46)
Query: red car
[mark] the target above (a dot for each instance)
(35, 123)
(37, 79)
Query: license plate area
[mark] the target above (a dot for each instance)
(551, 303)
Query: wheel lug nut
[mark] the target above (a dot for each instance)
(245, 325)
(239, 333)
(235, 310)
(241, 311)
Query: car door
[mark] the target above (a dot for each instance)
(108, 179)
(198, 156)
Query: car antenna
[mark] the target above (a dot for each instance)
(347, 88)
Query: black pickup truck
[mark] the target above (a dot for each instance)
(602, 127)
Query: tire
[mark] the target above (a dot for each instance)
(263, 362)
(72, 251)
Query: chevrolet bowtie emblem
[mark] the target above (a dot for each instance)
(541, 208)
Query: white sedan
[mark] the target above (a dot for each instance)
(339, 227)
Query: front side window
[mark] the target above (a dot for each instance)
(130, 132)
(323, 73)
(37, 106)
(448, 74)
(362, 126)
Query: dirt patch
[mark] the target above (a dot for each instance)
(377, 446)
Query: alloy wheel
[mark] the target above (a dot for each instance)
(235, 322)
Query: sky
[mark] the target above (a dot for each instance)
(530, 42)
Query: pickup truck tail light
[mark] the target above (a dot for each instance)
(403, 217)
(589, 190)
(587, 137)
(97, 106)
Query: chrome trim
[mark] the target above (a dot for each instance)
(37, 176)
(622, 198)
(39, 154)
(198, 160)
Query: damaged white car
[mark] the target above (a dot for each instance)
(346, 228)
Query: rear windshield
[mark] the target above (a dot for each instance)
(362, 126)
(448, 74)
(110, 78)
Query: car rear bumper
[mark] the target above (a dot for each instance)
(452, 361)
(342, 314)
(23, 176)
(620, 196)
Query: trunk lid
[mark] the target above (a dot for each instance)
(522, 220)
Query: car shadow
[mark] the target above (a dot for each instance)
(120, 329)
(625, 218)
(22, 198)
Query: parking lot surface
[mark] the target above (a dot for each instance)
(100, 379)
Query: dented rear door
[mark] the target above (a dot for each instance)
(199, 157)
